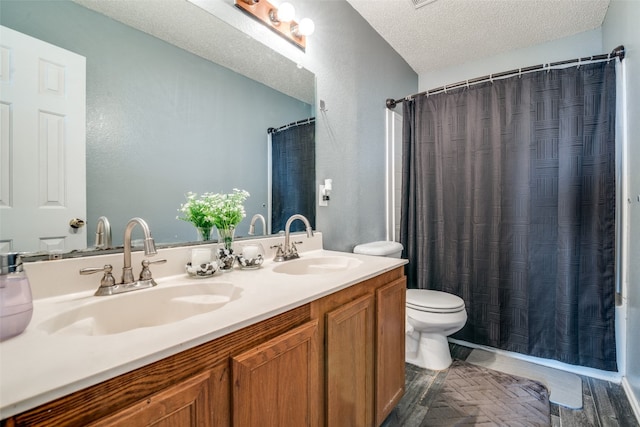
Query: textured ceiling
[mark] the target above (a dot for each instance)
(189, 27)
(444, 33)
(440, 33)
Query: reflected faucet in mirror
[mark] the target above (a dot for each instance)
(252, 226)
(103, 234)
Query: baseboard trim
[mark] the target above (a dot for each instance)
(614, 377)
(633, 400)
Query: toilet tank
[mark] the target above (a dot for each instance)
(381, 248)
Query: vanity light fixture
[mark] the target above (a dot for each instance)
(279, 19)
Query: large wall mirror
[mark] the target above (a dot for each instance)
(162, 117)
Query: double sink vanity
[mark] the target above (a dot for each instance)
(313, 341)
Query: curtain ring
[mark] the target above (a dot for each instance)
(491, 78)
(445, 88)
(519, 73)
(467, 83)
(608, 57)
(549, 67)
(579, 61)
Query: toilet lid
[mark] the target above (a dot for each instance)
(433, 301)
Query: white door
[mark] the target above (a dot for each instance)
(42, 145)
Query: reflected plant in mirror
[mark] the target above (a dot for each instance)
(228, 209)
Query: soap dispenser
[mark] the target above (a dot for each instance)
(16, 306)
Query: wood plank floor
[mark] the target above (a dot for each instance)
(604, 404)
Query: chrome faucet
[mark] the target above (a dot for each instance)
(103, 233)
(108, 285)
(290, 251)
(149, 247)
(252, 226)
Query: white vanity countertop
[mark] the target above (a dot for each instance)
(37, 366)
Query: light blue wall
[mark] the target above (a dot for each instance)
(356, 71)
(582, 44)
(621, 26)
(172, 120)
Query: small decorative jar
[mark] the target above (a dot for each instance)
(251, 256)
(202, 263)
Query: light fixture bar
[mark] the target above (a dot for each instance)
(261, 10)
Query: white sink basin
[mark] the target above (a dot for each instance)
(318, 265)
(144, 308)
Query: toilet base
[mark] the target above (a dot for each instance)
(429, 351)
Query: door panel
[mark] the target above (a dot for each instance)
(276, 383)
(390, 324)
(349, 363)
(42, 145)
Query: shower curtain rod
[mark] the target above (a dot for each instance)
(617, 52)
(292, 124)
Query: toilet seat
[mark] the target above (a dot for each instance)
(429, 301)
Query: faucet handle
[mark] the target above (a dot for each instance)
(294, 249)
(292, 253)
(145, 273)
(279, 253)
(107, 279)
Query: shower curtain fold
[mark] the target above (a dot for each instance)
(509, 202)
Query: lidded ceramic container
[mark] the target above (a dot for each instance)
(16, 306)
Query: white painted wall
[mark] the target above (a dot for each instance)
(621, 27)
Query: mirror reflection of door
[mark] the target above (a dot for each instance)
(293, 174)
(42, 129)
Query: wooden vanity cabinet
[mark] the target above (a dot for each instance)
(349, 363)
(390, 347)
(196, 381)
(364, 350)
(187, 403)
(276, 384)
(336, 361)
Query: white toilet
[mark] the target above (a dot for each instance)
(431, 316)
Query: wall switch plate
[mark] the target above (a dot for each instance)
(321, 201)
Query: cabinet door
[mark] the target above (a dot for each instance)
(276, 383)
(349, 363)
(390, 325)
(184, 404)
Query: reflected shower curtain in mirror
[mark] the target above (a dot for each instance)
(509, 202)
(293, 175)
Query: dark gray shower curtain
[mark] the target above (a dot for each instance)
(293, 176)
(509, 202)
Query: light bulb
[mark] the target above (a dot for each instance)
(286, 12)
(306, 27)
